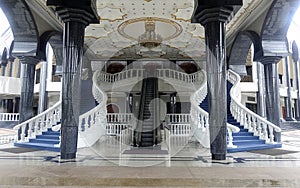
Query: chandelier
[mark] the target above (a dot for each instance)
(150, 39)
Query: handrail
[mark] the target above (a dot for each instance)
(250, 120)
(200, 118)
(38, 124)
(157, 134)
(177, 75)
(8, 136)
(139, 128)
(231, 129)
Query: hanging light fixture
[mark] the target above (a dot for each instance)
(150, 39)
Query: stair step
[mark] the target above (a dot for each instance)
(51, 133)
(242, 134)
(253, 147)
(248, 142)
(55, 137)
(49, 147)
(245, 138)
(44, 141)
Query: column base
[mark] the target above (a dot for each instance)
(218, 156)
(68, 155)
(289, 119)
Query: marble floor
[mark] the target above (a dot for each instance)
(187, 166)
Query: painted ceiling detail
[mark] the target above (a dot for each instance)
(122, 23)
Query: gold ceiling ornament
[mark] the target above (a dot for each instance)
(148, 0)
(130, 28)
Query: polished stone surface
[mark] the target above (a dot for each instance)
(272, 94)
(27, 88)
(288, 105)
(214, 25)
(43, 94)
(261, 96)
(190, 167)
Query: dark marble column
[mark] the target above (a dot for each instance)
(261, 102)
(43, 94)
(288, 106)
(27, 88)
(17, 105)
(297, 102)
(213, 15)
(272, 91)
(10, 105)
(75, 20)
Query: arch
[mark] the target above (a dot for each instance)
(112, 108)
(115, 67)
(240, 50)
(188, 67)
(275, 27)
(23, 27)
(295, 51)
(55, 39)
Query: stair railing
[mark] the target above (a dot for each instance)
(92, 124)
(8, 137)
(200, 119)
(126, 74)
(139, 125)
(250, 120)
(182, 76)
(36, 125)
(9, 116)
(52, 116)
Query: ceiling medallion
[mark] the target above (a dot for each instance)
(150, 39)
(133, 29)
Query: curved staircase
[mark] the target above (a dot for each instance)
(245, 139)
(246, 130)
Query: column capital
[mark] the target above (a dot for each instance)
(211, 11)
(270, 59)
(76, 10)
(29, 60)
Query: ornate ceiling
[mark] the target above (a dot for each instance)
(123, 22)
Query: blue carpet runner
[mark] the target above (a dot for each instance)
(244, 140)
(46, 141)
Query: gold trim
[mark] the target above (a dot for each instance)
(123, 17)
(107, 19)
(123, 25)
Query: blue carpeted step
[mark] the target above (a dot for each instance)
(253, 147)
(40, 146)
(243, 130)
(51, 133)
(242, 133)
(44, 141)
(55, 137)
(247, 142)
(245, 137)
